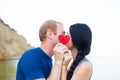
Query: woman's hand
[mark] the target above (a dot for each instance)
(67, 59)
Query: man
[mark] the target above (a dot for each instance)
(36, 63)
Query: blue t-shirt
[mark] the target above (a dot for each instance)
(34, 64)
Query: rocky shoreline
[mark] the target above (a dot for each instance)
(12, 58)
(12, 44)
(8, 56)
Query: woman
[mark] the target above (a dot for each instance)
(80, 43)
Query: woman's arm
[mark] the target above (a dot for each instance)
(67, 59)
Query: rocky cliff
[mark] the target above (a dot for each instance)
(11, 43)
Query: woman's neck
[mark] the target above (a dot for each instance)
(74, 52)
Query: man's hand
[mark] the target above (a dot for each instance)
(59, 51)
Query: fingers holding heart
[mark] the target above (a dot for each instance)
(59, 51)
(60, 48)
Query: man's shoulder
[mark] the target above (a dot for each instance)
(32, 50)
(30, 55)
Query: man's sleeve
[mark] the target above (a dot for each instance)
(32, 69)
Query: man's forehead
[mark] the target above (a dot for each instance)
(61, 31)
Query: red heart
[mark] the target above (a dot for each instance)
(64, 39)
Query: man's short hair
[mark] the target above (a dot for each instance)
(49, 24)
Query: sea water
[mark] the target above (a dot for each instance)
(104, 68)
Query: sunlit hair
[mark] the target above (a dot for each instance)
(81, 38)
(49, 24)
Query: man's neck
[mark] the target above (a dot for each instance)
(47, 47)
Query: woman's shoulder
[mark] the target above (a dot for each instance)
(83, 70)
(85, 63)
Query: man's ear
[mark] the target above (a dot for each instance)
(49, 34)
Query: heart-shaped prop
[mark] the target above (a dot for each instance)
(64, 39)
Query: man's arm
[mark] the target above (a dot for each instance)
(55, 72)
(59, 52)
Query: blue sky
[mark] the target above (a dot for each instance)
(103, 17)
